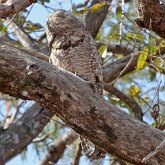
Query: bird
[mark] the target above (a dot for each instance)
(72, 49)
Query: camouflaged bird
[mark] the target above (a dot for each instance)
(72, 48)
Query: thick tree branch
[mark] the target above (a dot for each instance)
(8, 8)
(15, 138)
(68, 96)
(152, 16)
(30, 51)
(94, 19)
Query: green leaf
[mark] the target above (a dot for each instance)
(129, 36)
(152, 48)
(99, 35)
(93, 8)
(152, 45)
(103, 50)
(152, 74)
(97, 6)
(82, 11)
(142, 59)
(134, 90)
(2, 27)
(139, 36)
(119, 12)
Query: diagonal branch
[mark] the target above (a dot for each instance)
(15, 138)
(78, 154)
(68, 96)
(136, 109)
(57, 149)
(115, 48)
(94, 19)
(112, 71)
(23, 37)
(8, 8)
(26, 40)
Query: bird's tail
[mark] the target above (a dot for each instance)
(90, 150)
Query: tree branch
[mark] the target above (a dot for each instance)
(8, 8)
(23, 37)
(80, 5)
(26, 40)
(136, 109)
(115, 48)
(78, 154)
(71, 98)
(113, 70)
(57, 149)
(15, 138)
(30, 51)
(94, 19)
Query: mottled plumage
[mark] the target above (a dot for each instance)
(72, 48)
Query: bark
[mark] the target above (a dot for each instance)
(15, 138)
(8, 8)
(30, 51)
(152, 16)
(94, 19)
(72, 99)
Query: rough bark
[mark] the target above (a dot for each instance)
(15, 138)
(74, 102)
(152, 16)
(10, 7)
(94, 19)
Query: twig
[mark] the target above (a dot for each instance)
(78, 154)
(129, 62)
(23, 37)
(80, 5)
(153, 153)
(42, 36)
